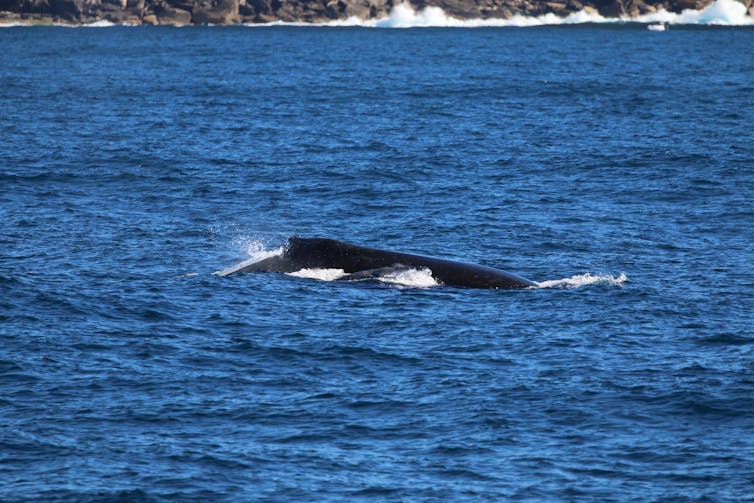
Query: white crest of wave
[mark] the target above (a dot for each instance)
(256, 251)
(99, 24)
(404, 16)
(320, 274)
(587, 279)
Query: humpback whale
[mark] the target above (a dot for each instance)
(361, 262)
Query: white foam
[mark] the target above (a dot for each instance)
(587, 279)
(256, 251)
(47, 22)
(404, 15)
(99, 24)
(412, 278)
(320, 274)
(721, 13)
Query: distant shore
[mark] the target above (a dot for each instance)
(230, 12)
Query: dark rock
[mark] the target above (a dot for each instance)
(121, 11)
(610, 8)
(681, 5)
(75, 10)
(215, 12)
(172, 16)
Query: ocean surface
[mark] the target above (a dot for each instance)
(611, 164)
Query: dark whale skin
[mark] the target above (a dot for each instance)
(325, 253)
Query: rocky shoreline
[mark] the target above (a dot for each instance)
(229, 12)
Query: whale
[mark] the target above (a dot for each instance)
(361, 262)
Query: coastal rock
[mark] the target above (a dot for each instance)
(221, 12)
(168, 15)
(121, 11)
(215, 12)
(364, 9)
(76, 9)
(70, 10)
(681, 5)
(79, 11)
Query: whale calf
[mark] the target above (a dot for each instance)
(361, 262)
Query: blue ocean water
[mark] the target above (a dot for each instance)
(608, 162)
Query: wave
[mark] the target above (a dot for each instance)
(102, 23)
(99, 24)
(720, 13)
(581, 280)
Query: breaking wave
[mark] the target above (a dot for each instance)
(720, 13)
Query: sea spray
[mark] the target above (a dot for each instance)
(255, 250)
(586, 279)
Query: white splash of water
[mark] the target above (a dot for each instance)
(721, 12)
(256, 251)
(587, 279)
(412, 278)
(404, 15)
(99, 24)
(320, 274)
